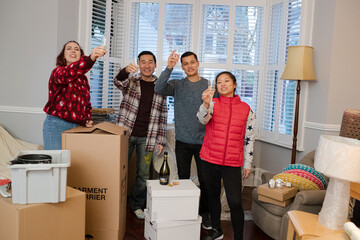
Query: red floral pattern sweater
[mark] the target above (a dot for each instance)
(69, 92)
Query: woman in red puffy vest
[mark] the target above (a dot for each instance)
(227, 151)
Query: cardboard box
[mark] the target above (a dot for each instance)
(55, 221)
(40, 183)
(275, 202)
(179, 202)
(99, 157)
(174, 230)
(279, 194)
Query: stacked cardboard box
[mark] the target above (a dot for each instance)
(278, 196)
(99, 157)
(55, 221)
(172, 211)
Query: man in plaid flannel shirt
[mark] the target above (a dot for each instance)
(144, 113)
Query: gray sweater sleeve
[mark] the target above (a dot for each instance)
(163, 86)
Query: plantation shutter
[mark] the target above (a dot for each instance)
(279, 95)
(107, 22)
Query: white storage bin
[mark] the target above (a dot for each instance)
(41, 183)
(179, 202)
(174, 230)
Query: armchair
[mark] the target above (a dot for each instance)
(273, 219)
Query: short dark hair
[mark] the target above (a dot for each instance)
(232, 76)
(60, 59)
(146, 53)
(187, 54)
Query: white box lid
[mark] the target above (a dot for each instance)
(185, 188)
(173, 223)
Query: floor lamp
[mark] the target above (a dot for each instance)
(299, 67)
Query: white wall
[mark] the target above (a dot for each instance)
(336, 38)
(32, 34)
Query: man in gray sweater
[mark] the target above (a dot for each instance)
(189, 132)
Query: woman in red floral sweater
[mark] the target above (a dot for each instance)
(69, 104)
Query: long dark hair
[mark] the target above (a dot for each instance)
(232, 76)
(60, 59)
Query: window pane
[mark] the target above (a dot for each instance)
(144, 28)
(247, 86)
(96, 84)
(275, 34)
(177, 73)
(214, 33)
(102, 92)
(177, 29)
(270, 100)
(248, 35)
(114, 94)
(286, 107)
(209, 73)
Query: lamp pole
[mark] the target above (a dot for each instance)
(296, 123)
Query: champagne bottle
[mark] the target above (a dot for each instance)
(164, 171)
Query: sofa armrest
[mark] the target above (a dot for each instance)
(308, 198)
(266, 176)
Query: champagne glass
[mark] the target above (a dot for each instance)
(104, 45)
(134, 61)
(211, 86)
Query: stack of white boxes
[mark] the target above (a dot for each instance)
(172, 211)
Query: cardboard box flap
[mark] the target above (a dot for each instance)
(104, 126)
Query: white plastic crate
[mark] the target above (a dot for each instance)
(179, 202)
(174, 230)
(41, 183)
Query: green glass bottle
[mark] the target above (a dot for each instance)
(164, 171)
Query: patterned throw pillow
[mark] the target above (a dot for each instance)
(297, 181)
(307, 175)
(308, 169)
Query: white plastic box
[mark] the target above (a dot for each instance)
(174, 230)
(179, 202)
(41, 183)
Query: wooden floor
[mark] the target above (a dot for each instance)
(135, 227)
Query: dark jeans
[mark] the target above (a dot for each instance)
(184, 153)
(232, 180)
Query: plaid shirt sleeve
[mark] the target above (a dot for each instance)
(122, 80)
(161, 139)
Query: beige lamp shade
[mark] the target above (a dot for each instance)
(300, 64)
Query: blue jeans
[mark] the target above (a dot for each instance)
(143, 158)
(52, 129)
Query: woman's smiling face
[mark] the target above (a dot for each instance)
(225, 85)
(72, 53)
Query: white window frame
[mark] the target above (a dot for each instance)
(307, 12)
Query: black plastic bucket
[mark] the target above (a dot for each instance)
(32, 159)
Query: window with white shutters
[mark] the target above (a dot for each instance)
(279, 95)
(248, 38)
(107, 23)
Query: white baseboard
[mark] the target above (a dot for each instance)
(322, 127)
(15, 109)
